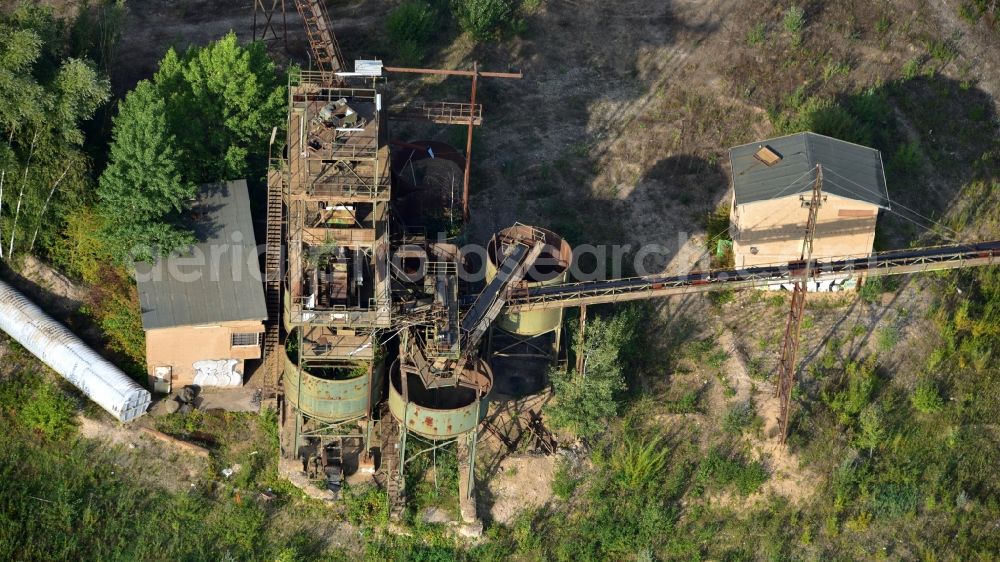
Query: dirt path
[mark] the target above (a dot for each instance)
(788, 478)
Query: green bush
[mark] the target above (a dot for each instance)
(794, 19)
(638, 462)
(907, 160)
(724, 471)
(483, 19)
(926, 398)
(739, 417)
(911, 69)
(872, 289)
(586, 402)
(688, 404)
(861, 381)
(721, 297)
(757, 34)
(366, 506)
(49, 411)
(888, 338)
(411, 25)
(563, 481)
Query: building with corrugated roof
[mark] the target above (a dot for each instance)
(772, 189)
(203, 309)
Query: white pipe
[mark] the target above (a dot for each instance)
(58, 348)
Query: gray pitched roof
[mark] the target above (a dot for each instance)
(218, 279)
(849, 170)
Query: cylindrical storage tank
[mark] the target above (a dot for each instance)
(550, 269)
(58, 348)
(428, 183)
(333, 393)
(440, 413)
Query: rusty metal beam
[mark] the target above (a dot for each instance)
(444, 72)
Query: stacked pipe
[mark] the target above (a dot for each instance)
(58, 348)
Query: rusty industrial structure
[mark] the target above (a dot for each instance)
(376, 348)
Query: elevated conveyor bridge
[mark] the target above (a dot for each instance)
(636, 288)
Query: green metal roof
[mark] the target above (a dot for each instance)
(849, 170)
(218, 279)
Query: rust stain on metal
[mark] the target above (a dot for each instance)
(429, 421)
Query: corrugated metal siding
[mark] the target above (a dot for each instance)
(849, 170)
(228, 288)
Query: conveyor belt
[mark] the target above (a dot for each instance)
(518, 259)
(635, 288)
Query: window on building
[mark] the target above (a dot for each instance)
(767, 155)
(245, 339)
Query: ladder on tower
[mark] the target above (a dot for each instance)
(322, 42)
(272, 268)
(394, 483)
(793, 327)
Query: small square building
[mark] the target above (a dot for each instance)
(772, 190)
(203, 310)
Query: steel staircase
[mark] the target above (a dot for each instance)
(272, 267)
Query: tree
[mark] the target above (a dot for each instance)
(221, 102)
(142, 192)
(586, 401)
(483, 19)
(46, 93)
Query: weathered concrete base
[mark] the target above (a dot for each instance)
(470, 530)
(466, 491)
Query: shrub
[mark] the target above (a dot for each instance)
(584, 402)
(366, 506)
(411, 25)
(721, 297)
(882, 25)
(911, 69)
(688, 404)
(888, 338)
(825, 117)
(871, 428)
(638, 462)
(794, 19)
(871, 290)
(483, 19)
(926, 398)
(563, 481)
(739, 417)
(943, 50)
(49, 411)
(757, 34)
(725, 471)
(861, 381)
(907, 159)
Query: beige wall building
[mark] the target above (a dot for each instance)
(204, 311)
(772, 189)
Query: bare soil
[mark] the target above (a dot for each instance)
(522, 482)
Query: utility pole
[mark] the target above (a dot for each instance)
(793, 326)
(468, 146)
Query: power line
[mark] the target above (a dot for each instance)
(869, 190)
(904, 217)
